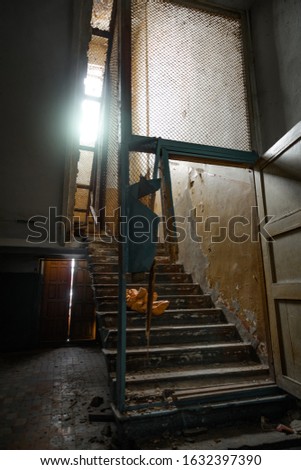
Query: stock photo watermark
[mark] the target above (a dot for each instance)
(138, 229)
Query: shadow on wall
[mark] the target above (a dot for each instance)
(19, 310)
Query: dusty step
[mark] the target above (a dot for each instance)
(193, 390)
(102, 250)
(238, 407)
(104, 258)
(191, 377)
(108, 241)
(202, 395)
(201, 316)
(185, 334)
(139, 358)
(112, 278)
(101, 267)
(109, 303)
(161, 289)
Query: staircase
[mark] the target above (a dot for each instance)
(197, 369)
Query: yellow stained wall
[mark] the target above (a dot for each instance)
(226, 259)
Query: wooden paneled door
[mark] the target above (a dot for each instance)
(279, 187)
(56, 299)
(82, 319)
(68, 312)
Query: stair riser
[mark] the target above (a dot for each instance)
(199, 301)
(211, 316)
(179, 358)
(161, 289)
(112, 278)
(102, 267)
(201, 336)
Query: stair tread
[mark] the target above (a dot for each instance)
(167, 296)
(176, 311)
(134, 286)
(164, 413)
(191, 371)
(214, 390)
(178, 327)
(176, 348)
(238, 391)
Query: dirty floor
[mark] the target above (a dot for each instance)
(51, 397)
(47, 395)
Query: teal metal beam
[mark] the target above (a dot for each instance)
(196, 152)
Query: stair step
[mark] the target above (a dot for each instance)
(102, 267)
(161, 289)
(109, 303)
(184, 334)
(114, 258)
(181, 355)
(100, 250)
(240, 407)
(107, 241)
(201, 316)
(193, 397)
(189, 377)
(112, 278)
(192, 392)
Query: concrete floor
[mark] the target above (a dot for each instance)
(47, 397)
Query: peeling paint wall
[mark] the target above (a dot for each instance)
(219, 247)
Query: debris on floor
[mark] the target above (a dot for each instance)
(296, 426)
(96, 402)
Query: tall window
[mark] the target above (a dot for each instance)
(90, 126)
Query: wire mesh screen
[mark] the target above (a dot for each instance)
(96, 65)
(111, 177)
(188, 75)
(81, 198)
(84, 167)
(101, 14)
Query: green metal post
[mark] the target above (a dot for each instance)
(168, 208)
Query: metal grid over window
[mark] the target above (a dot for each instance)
(111, 176)
(141, 164)
(101, 14)
(188, 75)
(84, 167)
(97, 54)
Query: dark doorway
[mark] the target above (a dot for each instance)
(68, 312)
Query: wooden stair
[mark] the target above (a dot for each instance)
(196, 359)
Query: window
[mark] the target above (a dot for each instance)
(189, 76)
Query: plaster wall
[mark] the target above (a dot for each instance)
(41, 42)
(219, 246)
(276, 35)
